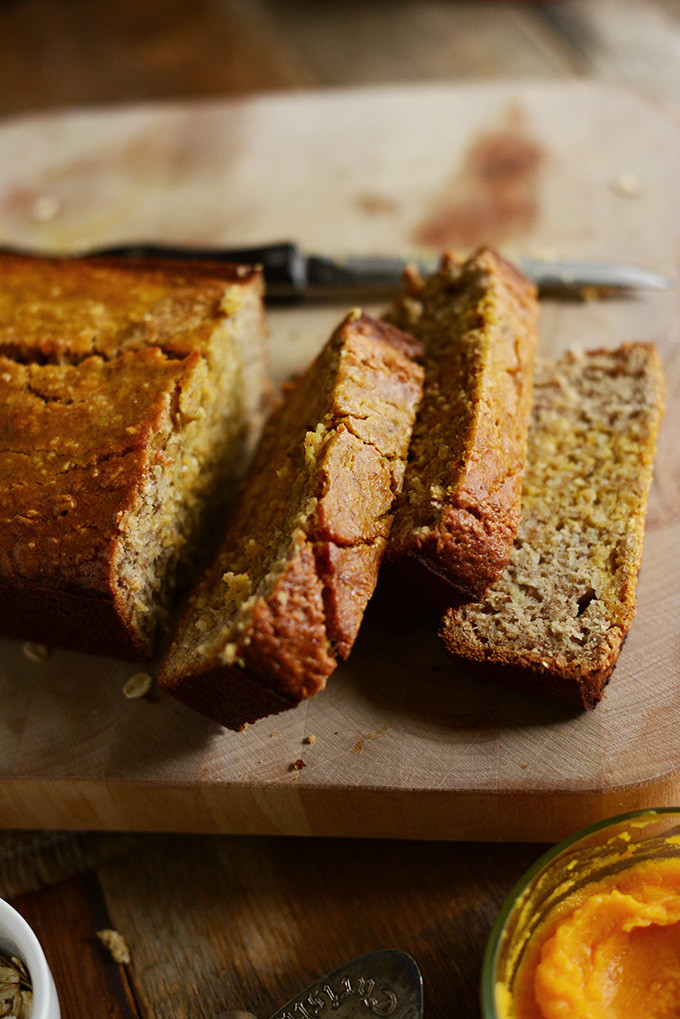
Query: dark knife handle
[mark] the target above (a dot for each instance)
(284, 266)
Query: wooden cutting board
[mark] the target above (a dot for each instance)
(404, 744)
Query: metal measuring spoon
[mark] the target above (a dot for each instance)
(383, 983)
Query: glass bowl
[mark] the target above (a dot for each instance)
(595, 852)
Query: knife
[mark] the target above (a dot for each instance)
(292, 274)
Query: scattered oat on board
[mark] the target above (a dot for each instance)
(36, 652)
(310, 739)
(16, 994)
(116, 945)
(627, 184)
(138, 685)
(45, 208)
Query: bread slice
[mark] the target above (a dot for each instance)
(460, 506)
(286, 594)
(130, 394)
(555, 620)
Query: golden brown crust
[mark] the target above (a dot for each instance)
(288, 642)
(231, 696)
(74, 441)
(60, 310)
(349, 575)
(460, 506)
(106, 376)
(80, 620)
(555, 620)
(286, 594)
(581, 686)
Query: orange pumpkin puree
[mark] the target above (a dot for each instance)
(610, 951)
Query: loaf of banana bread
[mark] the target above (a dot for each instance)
(460, 505)
(555, 620)
(285, 596)
(130, 396)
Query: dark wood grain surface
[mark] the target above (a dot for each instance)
(217, 921)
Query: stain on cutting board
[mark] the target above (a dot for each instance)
(493, 195)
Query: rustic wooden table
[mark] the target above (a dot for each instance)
(217, 921)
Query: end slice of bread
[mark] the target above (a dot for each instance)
(460, 506)
(284, 599)
(555, 620)
(131, 395)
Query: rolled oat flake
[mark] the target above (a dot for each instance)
(16, 993)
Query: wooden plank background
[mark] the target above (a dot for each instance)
(77, 52)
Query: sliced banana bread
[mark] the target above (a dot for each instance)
(460, 506)
(555, 620)
(286, 594)
(130, 395)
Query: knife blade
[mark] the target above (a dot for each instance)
(292, 274)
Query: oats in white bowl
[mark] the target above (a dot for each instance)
(16, 994)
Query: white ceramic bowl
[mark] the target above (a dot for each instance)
(17, 938)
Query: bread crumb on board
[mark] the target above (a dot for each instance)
(116, 945)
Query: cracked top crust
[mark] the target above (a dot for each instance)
(64, 310)
(74, 444)
(286, 594)
(131, 394)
